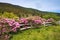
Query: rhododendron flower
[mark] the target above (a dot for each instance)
(4, 30)
(38, 21)
(14, 30)
(10, 24)
(17, 24)
(23, 20)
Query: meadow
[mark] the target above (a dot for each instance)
(42, 33)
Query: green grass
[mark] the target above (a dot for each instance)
(44, 33)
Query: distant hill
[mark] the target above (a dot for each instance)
(21, 11)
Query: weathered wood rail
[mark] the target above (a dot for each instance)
(29, 26)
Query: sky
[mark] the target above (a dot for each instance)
(43, 5)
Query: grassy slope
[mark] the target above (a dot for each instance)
(44, 33)
(21, 11)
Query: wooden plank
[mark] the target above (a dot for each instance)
(25, 28)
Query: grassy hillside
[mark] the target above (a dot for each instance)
(18, 10)
(21, 11)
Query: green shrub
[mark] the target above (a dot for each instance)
(9, 15)
(51, 15)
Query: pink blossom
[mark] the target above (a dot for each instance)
(14, 29)
(23, 20)
(4, 30)
(38, 21)
(17, 24)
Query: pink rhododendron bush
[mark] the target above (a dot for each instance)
(11, 25)
(6, 26)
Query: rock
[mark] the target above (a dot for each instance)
(58, 22)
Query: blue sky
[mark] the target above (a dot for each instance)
(44, 5)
